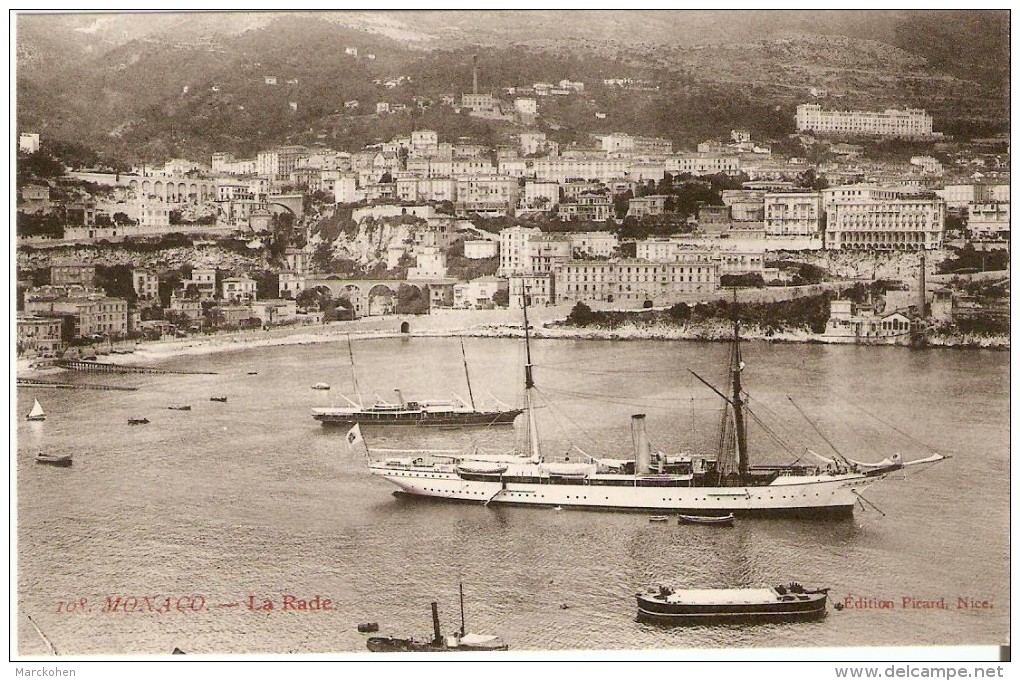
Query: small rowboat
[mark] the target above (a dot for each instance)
(707, 519)
(657, 519)
(320, 386)
(482, 468)
(180, 407)
(54, 460)
(217, 399)
(141, 421)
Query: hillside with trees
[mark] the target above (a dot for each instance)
(187, 85)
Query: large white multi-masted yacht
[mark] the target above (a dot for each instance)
(706, 484)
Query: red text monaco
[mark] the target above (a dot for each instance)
(154, 604)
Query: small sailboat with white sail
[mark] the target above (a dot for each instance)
(36, 413)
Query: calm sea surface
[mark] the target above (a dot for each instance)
(253, 498)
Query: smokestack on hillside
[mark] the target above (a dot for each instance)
(923, 301)
(474, 75)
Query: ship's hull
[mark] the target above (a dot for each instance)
(651, 610)
(813, 496)
(59, 461)
(388, 644)
(476, 418)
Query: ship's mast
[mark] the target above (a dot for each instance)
(737, 400)
(462, 609)
(529, 388)
(354, 373)
(467, 375)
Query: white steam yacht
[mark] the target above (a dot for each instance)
(707, 484)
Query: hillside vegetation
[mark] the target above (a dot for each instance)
(147, 88)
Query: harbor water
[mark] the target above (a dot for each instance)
(247, 502)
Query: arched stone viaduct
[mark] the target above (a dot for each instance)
(174, 190)
(368, 297)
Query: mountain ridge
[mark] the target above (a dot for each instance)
(142, 85)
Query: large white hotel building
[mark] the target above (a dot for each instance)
(891, 122)
(864, 217)
(635, 281)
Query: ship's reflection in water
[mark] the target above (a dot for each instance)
(252, 497)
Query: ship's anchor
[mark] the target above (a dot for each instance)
(865, 501)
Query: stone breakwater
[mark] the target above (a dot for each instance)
(710, 332)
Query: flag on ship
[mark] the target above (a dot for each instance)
(354, 436)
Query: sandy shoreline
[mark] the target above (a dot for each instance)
(440, 326)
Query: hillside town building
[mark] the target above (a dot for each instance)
(793, 214)
(888, 123)
(633, 281)
(863, 217)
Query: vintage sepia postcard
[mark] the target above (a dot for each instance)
(522, 334)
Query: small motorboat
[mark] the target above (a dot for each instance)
(320, 386)
(61, 460)
(368, 627)
(657, 519)
(218, 399)
(707, 519)
(139, 421)
(253, 373)
(37, 413)
(458, 642)
(180, 407)
(784, 603)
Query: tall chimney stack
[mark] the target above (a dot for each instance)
(474, 74)
(642, 449)
(924, 297)
(435, 622)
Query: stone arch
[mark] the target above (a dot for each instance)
(203, 196)
(274, 204)
(354, 295)
(381, 300)
(157, 189)
(146, 187)
(193, 193)
(133, 186)
(405, 327)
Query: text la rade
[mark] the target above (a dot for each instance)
(290, 603)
